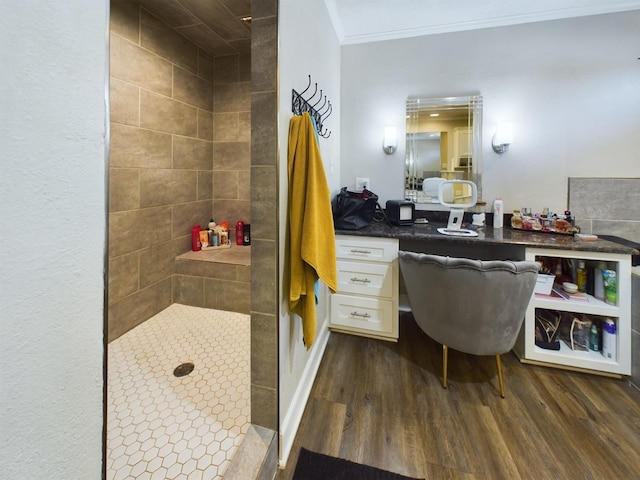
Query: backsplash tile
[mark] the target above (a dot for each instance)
(605, 198)
(624, 229)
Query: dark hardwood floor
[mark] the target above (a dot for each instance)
(382, 404)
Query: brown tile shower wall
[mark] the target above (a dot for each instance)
(264, 214)
(167, 119)
(232, 138)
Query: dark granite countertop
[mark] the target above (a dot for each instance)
(490, 236)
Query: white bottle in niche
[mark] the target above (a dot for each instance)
(498, 213)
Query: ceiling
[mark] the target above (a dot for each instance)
(214, 25)
(360, 21)
(217, 25)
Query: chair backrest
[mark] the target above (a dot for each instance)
(472, 306)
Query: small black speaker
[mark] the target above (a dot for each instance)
(401, 212)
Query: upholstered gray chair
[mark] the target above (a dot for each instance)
(472, 306)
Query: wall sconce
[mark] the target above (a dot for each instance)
(502, 138)
(389, 143)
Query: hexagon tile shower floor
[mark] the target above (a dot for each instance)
(163, 426)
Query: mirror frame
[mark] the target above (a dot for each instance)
(417, 105)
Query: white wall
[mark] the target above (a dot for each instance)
(307, 46)
(571, 87)
(52, 239)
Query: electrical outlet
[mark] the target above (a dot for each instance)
(362, 183)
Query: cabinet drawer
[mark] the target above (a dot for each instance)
(375, 279)
(366, 248)
(369, 315)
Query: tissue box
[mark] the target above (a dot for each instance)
(544, 284)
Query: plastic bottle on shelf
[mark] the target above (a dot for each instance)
(610, 286)
(609, 339)
(598, 281)
(196, 246)
(246, 234)
(594, 338)
(239, 232)
(498, 213)
(581, 276)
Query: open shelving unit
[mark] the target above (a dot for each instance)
(588, 361)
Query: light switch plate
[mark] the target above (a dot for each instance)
(362, 183)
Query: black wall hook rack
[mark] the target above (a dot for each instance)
(300, 104)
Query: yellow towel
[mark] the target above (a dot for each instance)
(312, 250)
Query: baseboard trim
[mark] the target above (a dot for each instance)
(291, 422)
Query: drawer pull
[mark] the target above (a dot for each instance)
(361, 280)
(362, 252)
(362, 315)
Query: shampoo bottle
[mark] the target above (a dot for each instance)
(498, 213)
(239, 232)
(195, 238)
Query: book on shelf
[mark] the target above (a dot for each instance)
(557, 293)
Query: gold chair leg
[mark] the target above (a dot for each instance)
(445, 356)
(499, 365)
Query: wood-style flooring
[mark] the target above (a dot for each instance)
(382, 404)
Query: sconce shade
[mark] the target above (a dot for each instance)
(502, 138)
(389, 143)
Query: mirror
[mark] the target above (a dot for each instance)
(448, 192)
(444, 142)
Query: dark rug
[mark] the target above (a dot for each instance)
(316, 466)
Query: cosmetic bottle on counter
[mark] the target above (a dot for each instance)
(498, 213)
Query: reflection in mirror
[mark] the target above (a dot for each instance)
(444, 142)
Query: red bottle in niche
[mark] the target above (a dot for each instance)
(240, 232)
(195, 238)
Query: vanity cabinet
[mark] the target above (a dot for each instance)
(366, 302)
(589, 308)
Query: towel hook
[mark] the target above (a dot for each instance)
(300, 105)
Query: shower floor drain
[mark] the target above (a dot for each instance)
(184, 369)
